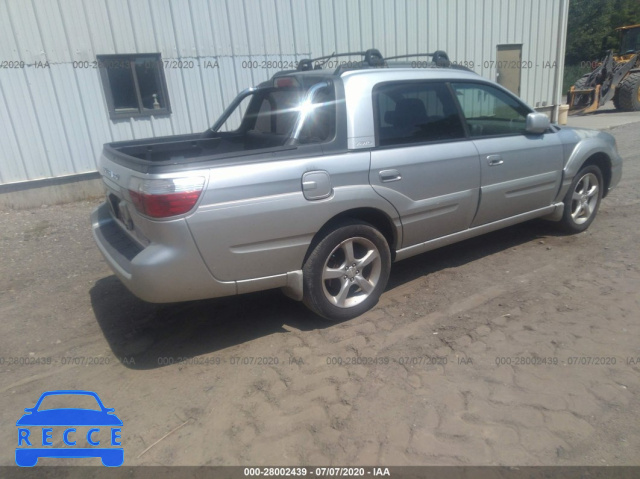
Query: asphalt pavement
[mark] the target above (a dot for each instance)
(604, 118)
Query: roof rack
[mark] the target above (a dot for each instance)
(372, 58)
(440, 57)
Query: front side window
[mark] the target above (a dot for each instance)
(489, 111)
(415, 112)
(134, 85)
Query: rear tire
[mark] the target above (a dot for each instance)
(627, 96)
(616, 99)
(582, 201)
(581, 82)
(347, 271)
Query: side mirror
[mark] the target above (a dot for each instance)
(537, 123)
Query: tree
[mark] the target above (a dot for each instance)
(592, 24)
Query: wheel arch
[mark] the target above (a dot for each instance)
(603, 162)
(375, 217)
(597, 149)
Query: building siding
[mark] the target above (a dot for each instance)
(55, 119)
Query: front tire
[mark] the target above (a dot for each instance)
(627, 96)
(582, 201)
(347, 271)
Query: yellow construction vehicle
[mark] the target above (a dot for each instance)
(616, 77)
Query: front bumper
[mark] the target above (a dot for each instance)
(169, 272)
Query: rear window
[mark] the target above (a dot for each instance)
(415, 112)
(275, 111)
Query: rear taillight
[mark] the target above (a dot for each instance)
(165, 197)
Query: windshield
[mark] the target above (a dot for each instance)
(630, 41)
(273, 112)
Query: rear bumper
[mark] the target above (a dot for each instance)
(159, 273)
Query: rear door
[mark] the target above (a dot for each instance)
(423, 163)
(520, 171)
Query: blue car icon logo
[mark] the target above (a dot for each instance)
(34, 443)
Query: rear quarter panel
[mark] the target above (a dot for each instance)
(254, 220)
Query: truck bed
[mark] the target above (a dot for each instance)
(181, 149)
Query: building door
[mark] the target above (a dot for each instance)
(509, 65)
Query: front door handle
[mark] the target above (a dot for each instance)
(389, 175)
(494, 160)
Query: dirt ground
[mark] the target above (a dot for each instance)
(520, 347)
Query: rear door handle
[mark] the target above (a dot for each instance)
(494, 160)
(387, 176)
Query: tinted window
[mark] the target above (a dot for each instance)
(320, 124)
(630, 42)
(277, 112)
(415, 112)
(489, 111)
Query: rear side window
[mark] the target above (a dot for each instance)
(415, 112)
(490, 111)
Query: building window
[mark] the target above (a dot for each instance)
(134, 85)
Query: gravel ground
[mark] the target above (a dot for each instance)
(432, 375)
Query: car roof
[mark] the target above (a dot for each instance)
(307, 78)
(437, 67)
(398, 73)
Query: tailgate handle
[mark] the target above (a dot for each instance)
(494, 160)
(387, 176)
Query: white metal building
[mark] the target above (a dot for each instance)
(67, 87)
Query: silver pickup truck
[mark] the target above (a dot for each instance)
(316, 181)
